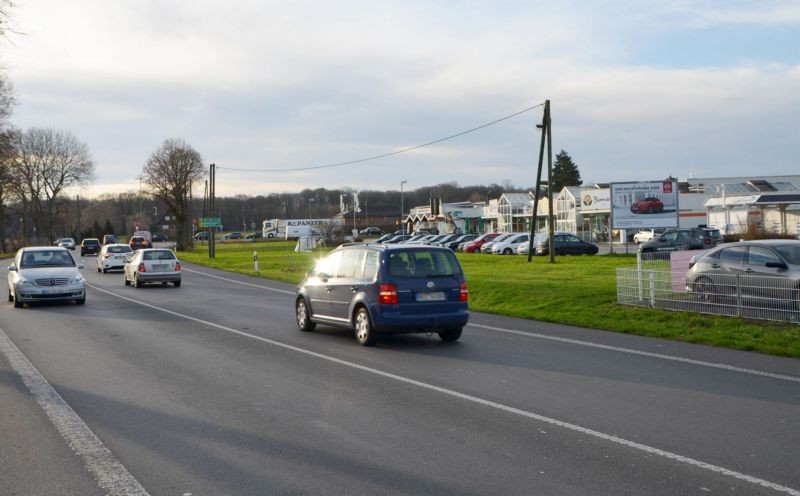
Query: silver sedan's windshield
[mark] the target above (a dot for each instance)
(54, 258)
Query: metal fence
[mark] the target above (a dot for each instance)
(659, 281)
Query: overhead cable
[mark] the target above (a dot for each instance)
(396, 152)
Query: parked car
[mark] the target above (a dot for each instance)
(680, 239)
(414, 238)
(254, 236)
(371, 231)
(423, 239)
(522, 248)
(112, 257)
(454, 243)
(397, 239)
(231, 236)
(110, 239)
(90, 246)
(67, 243)
(714, 233)
(378, 288)
(445, 239)
(647, 205)
(152, 265)
(475, 245)
(389, 236)
(487, 247)
(138, 242)
(509, 246)
(646, 235)
(777, 261)
(159, 237)
(45, 273)
(566, 244)
(201, 236)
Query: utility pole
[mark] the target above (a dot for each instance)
(78, 207)
(550, 218)
(546, 137)
(212, 249)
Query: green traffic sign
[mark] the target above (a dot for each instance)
(211, 222)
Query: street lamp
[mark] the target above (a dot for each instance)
(402, 207)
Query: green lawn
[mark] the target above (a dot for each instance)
(578, 291)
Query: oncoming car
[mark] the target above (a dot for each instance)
(152, 265)
(112, 257)
(378, 288)
(45, 274)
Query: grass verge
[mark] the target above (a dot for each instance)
(578, 291)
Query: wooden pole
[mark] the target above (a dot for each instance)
(538, 184)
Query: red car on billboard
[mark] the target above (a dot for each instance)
(647, 205)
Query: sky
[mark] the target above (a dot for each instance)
(639, 90)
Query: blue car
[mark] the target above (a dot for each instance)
(374, 289)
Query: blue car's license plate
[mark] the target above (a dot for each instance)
(430, 296)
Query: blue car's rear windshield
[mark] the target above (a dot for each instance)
(423, 264)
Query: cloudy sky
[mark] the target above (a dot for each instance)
(639, 89)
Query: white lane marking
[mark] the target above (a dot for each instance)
(631, 351)
(109, 473)
(641, 353)
(480, 401)
(239, 282)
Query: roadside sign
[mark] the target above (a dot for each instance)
(211, 221)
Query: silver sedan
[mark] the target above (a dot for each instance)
(45, 273)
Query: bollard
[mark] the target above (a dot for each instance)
(255, 260)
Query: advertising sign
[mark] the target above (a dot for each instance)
(593, 199)
(644, 205)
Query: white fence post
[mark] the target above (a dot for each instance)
(639, 275)
(652, 288)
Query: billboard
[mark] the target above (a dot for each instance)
(644, 205)
(593, 199)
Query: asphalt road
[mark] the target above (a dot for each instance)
(210, 389)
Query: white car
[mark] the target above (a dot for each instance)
(645, 236)
(68, 243)
(487, 247)
(152, 265)
(45, 273)
(112, 257)
(509, 246)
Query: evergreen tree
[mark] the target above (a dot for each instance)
(108, 228)
(97, 231)
(565, 172)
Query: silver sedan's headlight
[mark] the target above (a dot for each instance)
(77, 280)
(24, 282)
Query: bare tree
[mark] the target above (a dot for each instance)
(7, 99)
(46, 162)
(170, 172)
(5, 16)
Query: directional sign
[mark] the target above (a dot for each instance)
(211, 221)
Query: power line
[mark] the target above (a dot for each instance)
(396, 152)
